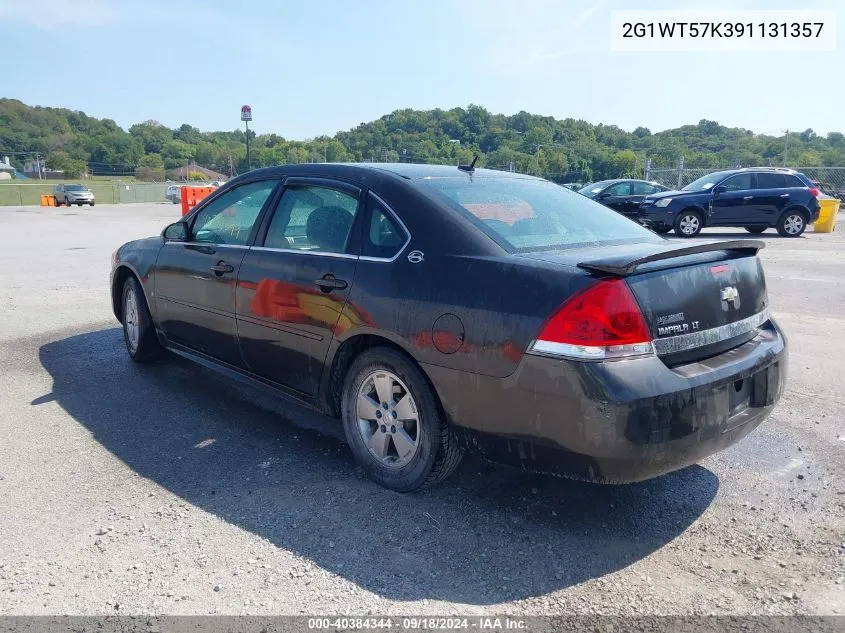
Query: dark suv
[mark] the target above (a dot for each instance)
(757, 199)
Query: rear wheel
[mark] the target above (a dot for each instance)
(792, 224)
(394, 424)
(688, 223)
(755, 229)
(138, 330)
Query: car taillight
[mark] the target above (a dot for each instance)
(815, 192)
(603, 322)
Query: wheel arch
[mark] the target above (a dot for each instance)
(346, 352)
(795, 207)
(119, 277)
(693, 207)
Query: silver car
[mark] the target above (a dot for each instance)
(73, 194)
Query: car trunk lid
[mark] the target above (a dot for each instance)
(698, 299)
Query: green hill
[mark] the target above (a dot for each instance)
(558, 148)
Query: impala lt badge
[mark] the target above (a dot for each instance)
(730, 298)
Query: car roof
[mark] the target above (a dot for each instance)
(408, 171)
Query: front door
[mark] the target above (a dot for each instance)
(295, 281)
(616, 196)
(731, 206)
(195, 280)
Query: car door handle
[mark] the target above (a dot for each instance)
(329, 283)
(222, 267)
(784, 195)
(747, 197)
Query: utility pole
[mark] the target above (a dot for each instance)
(785, 148)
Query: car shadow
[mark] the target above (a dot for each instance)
(487, 535)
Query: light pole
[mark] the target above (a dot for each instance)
(246, 117)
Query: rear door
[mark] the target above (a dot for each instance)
(732, 207)
(195, 280)
(770, 199)
(295, 281)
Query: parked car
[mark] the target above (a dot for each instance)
(574, 186)
(174, 193)
(434, 309)
(622, 195)
(73, 194)
(754, 198)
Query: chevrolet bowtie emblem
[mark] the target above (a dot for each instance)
(729, 297)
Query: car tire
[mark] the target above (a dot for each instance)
(688, 223)
(403, 453)
(792, 223)
(79, 204)
(755, 229)
(138, 330)
(662, 229)
(91, 203)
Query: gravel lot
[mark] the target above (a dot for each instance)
(166, 490)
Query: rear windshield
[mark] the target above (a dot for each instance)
(526, 215)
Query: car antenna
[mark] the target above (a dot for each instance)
(471, 167)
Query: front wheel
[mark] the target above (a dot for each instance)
(394, 424)
(138, 330)
(755, 229)
(688, 223)
(792, 224)
(91, 203)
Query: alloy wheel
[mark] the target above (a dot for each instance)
(388, 419)
(130, 321)
(689, 225)
(793, 224)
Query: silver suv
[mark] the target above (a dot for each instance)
(73, 194)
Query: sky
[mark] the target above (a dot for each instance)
(319, 67)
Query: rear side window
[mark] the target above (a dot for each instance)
(383, 237)
(312, 218)
(770, 181)
(524, 214)
(793, 181)
(644, 188)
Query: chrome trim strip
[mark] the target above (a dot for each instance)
(302, 252)
(581, 352)
(239, 246)
(390, 210)
(683, 342)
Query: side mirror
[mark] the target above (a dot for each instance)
(719, 189)
(176, 232)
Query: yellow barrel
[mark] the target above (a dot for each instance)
(827, 216)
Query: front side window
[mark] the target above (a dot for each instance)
(229, 219)
(619, 189)
(312, 218)
(742, 182)
(525, 214)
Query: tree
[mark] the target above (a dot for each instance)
(810, 158)
(62, 161)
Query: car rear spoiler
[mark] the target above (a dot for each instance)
(622, 266)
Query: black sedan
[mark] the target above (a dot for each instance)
(434, 309)
(622, 195)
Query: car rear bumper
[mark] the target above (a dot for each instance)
(620, 421)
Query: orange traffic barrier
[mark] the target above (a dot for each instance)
(48, 200)
(191, 196)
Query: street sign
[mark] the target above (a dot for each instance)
(246, 113)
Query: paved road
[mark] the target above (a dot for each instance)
(165, 489)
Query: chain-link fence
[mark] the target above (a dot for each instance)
(831, 180)
(109, 192)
